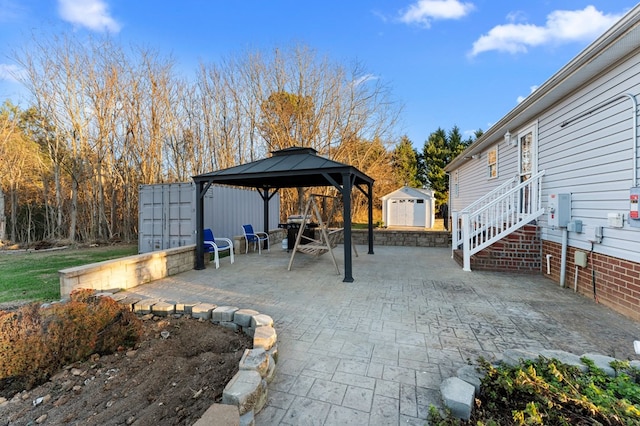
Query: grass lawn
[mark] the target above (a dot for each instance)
(33, 275)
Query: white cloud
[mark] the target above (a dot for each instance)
(92, 14)
(364, 79)
(522, 98)
(562, 26)
(424, 11)
(10, 72)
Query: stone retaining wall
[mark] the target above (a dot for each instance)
(127, 272)
(401, 237)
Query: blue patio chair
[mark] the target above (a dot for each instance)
(216, 245)
(254, 237)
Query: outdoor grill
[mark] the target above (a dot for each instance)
(293, 225)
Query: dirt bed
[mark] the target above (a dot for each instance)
(168, 379)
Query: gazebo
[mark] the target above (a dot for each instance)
(293, 167)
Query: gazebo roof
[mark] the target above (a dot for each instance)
(287, 168)
(294, 167)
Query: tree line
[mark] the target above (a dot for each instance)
(426, 168)
(104, 119)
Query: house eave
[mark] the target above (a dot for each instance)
(616, 43)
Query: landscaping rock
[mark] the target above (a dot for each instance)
(247, 391)
(471, 375)
(602, 362)
(458, 396)
(565, 358)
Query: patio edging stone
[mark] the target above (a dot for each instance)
(458, 393)
(248, 389)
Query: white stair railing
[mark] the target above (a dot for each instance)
(456, 228)
(497, 216)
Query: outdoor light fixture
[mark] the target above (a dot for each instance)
(507, 138)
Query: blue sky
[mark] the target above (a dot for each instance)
(449, 62)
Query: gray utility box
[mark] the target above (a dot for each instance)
(167, 213)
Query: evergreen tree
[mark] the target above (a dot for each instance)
(405, 164)
(439, 150)
(435, 156)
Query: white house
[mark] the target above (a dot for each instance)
(408, 206)
(552, 187)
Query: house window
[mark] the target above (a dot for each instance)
(492, 163)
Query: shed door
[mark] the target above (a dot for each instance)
(407, 212)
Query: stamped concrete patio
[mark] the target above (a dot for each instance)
(376, 350)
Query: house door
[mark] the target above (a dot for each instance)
(527, 165)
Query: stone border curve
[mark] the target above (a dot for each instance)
(458, 393)
(246, 393)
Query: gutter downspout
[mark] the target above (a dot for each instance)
(563, 258)
(635, 138)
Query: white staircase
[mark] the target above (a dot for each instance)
(500, 212)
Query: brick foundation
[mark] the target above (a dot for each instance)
(617, 281)
(519, 251)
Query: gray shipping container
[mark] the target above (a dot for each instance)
(167, 213)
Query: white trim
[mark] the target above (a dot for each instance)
(533, 129)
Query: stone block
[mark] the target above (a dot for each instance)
(261, 320)
(185, 307)
(602, 362)
(144, 306)
(471, 375)
(220, 414)
(247, 419)
(230, 325)
(163, 309)
(458, 396)
(264, 337)
(514, 357)
(565, 358)
(256, 360)
(242, 317)
(223, 313)
(271, 372)
(202, 310)
(247, 391)
(274, 352)
(129, 302)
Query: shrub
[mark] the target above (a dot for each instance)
(548, 392)
(36, 342)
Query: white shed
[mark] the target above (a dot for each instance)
(409, 207)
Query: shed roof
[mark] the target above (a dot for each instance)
(287, 168)
(407, 191)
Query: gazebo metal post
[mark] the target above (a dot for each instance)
(266, 197)
(370, 201)
(200, 189)
(346, 213)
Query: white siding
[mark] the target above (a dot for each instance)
(474, 179)
(591, 158)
